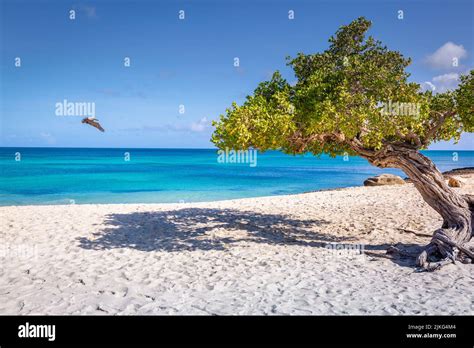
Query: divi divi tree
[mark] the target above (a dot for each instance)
(355, 98)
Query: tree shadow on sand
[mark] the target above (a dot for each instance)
(208, 229)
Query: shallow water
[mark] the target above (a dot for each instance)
(75, 175)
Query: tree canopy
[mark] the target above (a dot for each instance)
(354, 97)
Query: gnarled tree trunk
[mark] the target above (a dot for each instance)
(451, 241)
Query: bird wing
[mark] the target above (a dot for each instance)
(93, 123)
(97, 125)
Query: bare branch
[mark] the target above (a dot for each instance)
(431, 132)
(410, 137)
(356, 145)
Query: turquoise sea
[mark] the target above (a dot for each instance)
(85, 175)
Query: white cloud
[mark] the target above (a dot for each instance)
(199, 126)
(444, 56)
(446, 82)
(428, 86)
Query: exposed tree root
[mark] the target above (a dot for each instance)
(413, 232)
(442, 250)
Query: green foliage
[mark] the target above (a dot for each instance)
(464, 96)
(341, 95)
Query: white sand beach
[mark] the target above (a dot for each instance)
(251, 256)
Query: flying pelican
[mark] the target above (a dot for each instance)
(92, 121)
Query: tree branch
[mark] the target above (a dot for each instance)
(431, 132)
(411, 137)
(301, 142)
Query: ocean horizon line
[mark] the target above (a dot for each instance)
(178, 148)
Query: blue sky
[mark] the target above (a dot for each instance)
(190, 62)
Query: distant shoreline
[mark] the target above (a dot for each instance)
(455, 171)
(459, 171)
